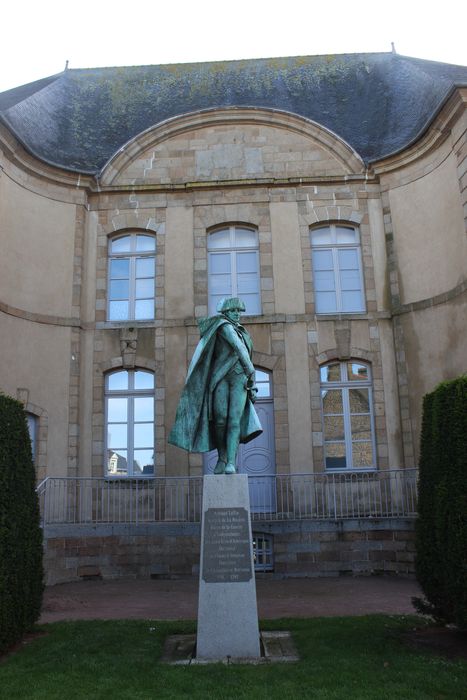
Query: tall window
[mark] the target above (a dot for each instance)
(233, 267)
(32, 427)
(129, 410)
(347, 416)
(337, 269)
(131, 282)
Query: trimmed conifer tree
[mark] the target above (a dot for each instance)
(441, 533)
(21, 573)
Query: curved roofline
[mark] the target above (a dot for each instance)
(376, 103)
(426, 126)
(206, 117)
(40, 158)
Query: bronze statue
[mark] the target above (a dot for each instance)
(216, 406)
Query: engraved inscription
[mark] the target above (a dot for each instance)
(227, 546)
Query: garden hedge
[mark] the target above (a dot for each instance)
(441, 535)
(21, 573)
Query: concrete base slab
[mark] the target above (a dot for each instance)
(276, 647)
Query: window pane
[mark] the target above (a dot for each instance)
(350, 280)
(117, 410)
(362, 454)
(245, 238)
(144, 243)
(144, 408)
(359, 401)
(221, 285)
(144, 309)
(219, 263)
(346, 235)
(117, 435)
(144, 435)
(117, 462)
(325, 302)
(332, 401)
(145, 267)
(118, 311)
(252, 305)
(261, 376)
(321, 236)
(247, 262)
(32, 425)
(335, 455)
(357, 372)
(145, 288)
(119, 289)
(361, 427)
(264, 390)
(348, 259)
(120, 245)
(324, 280)
(120, 268)
(334, 428)
(322, 260)
(353, 301)
(247, 284)
(331, 373)
(144, 380)
(219, 239)
(143, 463)
(117, 381)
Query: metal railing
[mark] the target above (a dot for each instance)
(83, 500)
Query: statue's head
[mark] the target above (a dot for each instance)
(231, 307)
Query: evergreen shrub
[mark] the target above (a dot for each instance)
(441, 533)
(21, 573)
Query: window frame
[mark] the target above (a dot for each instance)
(129, 394)
(263, 551)
(233, 249)
(343, 385)
(334, 247)
(132, 255)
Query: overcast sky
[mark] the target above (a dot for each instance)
(38, 36)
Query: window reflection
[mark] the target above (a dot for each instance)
(347, 416)
(130, 423)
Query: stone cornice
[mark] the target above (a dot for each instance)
(438, 299)
(71, 322)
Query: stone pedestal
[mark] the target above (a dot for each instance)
(227, 611)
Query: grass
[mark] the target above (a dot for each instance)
(359, 658)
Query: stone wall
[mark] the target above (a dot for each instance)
(171, 550)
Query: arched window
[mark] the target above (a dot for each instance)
(337, 269)
(348, 423)
(129, 412)
(233, 267)
(131, 280)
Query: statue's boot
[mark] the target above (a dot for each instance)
(230, 468)
(220, 467)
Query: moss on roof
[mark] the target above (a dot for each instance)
(377, 102)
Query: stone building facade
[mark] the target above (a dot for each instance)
(348, 227)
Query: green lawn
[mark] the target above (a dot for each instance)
(345, 658)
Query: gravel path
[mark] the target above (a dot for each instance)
(178, 600)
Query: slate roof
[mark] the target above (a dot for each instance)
(377, 102)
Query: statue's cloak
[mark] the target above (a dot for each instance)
(193, 428)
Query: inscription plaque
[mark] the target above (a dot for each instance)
(227, 546)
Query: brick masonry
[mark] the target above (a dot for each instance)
(171, 550)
